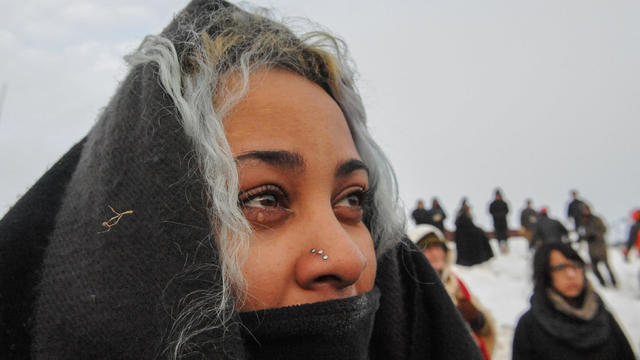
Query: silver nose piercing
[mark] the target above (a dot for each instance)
(320, 252)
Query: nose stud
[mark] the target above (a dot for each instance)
(320, 252)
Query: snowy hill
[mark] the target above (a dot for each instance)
(503, 285)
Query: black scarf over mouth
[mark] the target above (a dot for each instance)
(335, 329)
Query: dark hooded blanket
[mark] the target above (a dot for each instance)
(72, 287)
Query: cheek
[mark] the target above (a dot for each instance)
(580, 280)
(266, 270)
(556, 281)
(365, 243)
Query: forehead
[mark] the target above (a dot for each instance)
(283, 110)
(556, 257)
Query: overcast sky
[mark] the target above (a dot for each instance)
(535, 97)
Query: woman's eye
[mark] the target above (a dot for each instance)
(352, 200)
(262, 201)
(350, 207)
(265, 206)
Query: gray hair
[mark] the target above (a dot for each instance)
(232, 41)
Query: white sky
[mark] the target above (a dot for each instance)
(536, 97)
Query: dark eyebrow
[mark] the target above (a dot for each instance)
(280, 159)
(350, 166)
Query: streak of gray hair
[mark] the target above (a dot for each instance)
(192, 93)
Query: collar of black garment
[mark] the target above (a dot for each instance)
(335, 329)
(578, 332)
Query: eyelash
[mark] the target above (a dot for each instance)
(280, 196)
(361, 193)
(271, 213)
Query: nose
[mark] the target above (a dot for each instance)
(572, 272)
(333, 261)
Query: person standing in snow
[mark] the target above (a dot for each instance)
(479, 321)
(528, 221)
(567, 319)
(437, 215)
(634, 237)
(499, 210)
(574, 210)
(548, 230)
(472, 243)
(594, 230)
(420, 215)
(634, 234)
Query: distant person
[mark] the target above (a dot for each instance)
(420, 215)
(567, 319)
(634, 234)
(437, 215)
(499, 210)
(528, 221)
(594, 231)
(574, 210)
(433, 245)
(634, 237)
(548, 230)
(472, 243)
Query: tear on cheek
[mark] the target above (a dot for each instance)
(261, 218)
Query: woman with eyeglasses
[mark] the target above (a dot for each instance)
(567, 319)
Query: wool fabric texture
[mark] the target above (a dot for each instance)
(337, 329)
(546, 332)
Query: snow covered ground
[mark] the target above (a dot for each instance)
(503, 286)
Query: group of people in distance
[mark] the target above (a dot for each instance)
(567, 319)
(434, 216)
(540, 229)
(230, 203)
(537, 227)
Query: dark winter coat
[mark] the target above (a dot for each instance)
(545, 333)
(528, 218)
(594, 230)
(472, 243)
(499, 210)
(575, 209)
(436, 217)
(548, 231)
(70, 289)
(421, 216)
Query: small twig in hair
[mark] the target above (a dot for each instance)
(114, 220)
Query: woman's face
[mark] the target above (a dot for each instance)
(436, 256)
(567, 276)
(302, 184)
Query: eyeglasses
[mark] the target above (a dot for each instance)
(563, 267)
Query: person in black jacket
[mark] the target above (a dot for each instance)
(528, 221)
(499, 211)
(437, 215)
(567, 319)
(548, 230)
(574, 210)
(229, 203)
(420, 215)
(472, 243)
